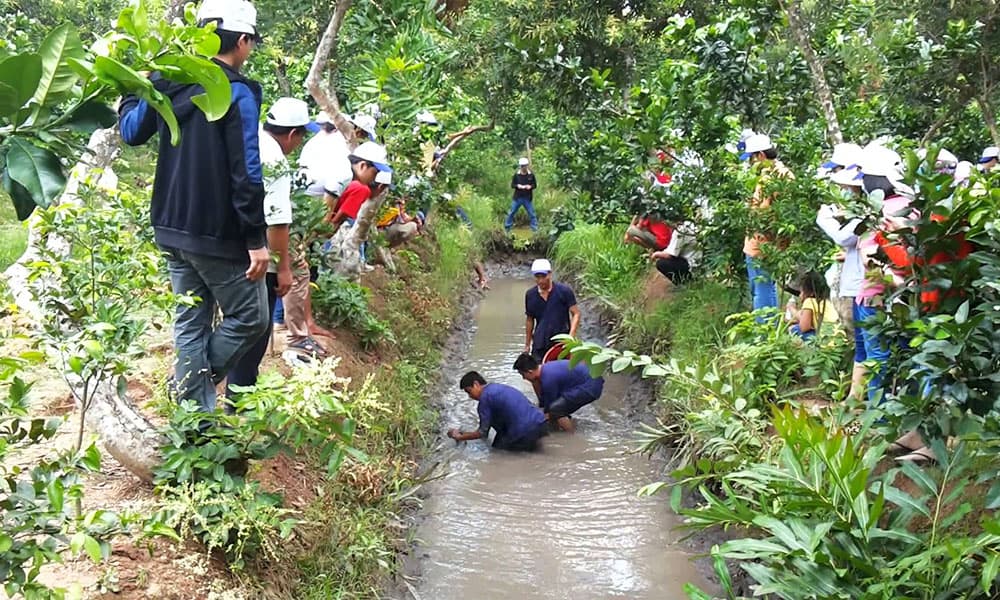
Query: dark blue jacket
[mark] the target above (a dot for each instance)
(508, 411)
(208, 195)
(574, 384)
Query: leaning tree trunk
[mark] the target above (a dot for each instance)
(324, 95)
(990, 117)
(820, 85)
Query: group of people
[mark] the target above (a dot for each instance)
(551, 309)
(221, 209)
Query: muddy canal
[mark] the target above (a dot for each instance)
(562, 523)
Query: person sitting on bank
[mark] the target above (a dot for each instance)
(677, 258)
(814, 295)
(561, 390)
(398, 226)
(648, 232)
(518, 423)
(550, 308)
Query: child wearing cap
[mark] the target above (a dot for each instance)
(760, 151)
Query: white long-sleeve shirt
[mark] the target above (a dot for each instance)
(852, 273)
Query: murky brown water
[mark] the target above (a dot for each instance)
(562, 523)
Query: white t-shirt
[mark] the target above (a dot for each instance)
(277, 181)
(324, 158)
(683, 243)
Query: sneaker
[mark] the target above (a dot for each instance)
(367, 268)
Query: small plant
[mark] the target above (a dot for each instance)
(342, 302)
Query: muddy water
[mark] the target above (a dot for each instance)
(562, 523)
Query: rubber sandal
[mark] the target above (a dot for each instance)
(897, 449)
(309, 346)
(920, 456)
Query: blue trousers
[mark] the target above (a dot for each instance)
(205, 355)
(763, 291)
(514, 207)
(876, 351)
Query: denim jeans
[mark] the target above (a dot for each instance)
(206, 354)
(246, 369)
(516, 206)
(876, 351)
(763, 291)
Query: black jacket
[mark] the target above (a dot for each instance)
(523, 179)
(208, 196)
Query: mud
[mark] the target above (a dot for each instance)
(562, 523)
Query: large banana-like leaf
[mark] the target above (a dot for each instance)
(57, 76)
(127, 80)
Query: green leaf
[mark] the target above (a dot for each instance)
(990, 572)
(20, 75)
(620, 364)
(6, 542)
(962, 314)
(92, 115)
(55, 495)
(127, 80)
(57, 76)
(24, 205)
(216, 100)
(93, 548)
(37, 169)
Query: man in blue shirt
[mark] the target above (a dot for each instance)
(518, 423)
(561, 390)
(550, 308)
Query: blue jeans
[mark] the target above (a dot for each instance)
(278, 314)
(205, 355)
(514, 207)
(763, 291)
(876, 351)
(796, 330)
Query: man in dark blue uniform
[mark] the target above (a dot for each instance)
(518, 423)
(550, 308)
(561, 390)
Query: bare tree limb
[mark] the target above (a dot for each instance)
(322, 93)
(820, 85)
(454, 139)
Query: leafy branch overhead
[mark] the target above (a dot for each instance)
(52, 98)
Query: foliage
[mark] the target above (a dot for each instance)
(202, 481)
(51, 97)
(97, 300)
(605, 266)
(831, 527)
(38, 523)
(341, 302)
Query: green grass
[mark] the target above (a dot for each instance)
(606, 268)
(13, 233)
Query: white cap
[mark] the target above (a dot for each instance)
(848, 176)
(989, 153)
(963, 171)
(523, 162)
(238, 16)
(844, 155)
(881, 161)
(291, 112)
(323, 117)
(375, 154)
(541, 266)
(365, 123)
(426, 117)
(384, 177)
(944, 158)
(757, 142)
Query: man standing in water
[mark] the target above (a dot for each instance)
(518, 423)
(550, 308)
(562, 390)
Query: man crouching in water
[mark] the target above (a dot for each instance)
(518, 423)
(561, 390)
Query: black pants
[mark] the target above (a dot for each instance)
(525, 443)
(245, 371)
(676, 269)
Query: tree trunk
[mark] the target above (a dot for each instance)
(820, 85)
(989, 115)
(325, 96)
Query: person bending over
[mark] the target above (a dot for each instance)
(518, 423)
(562, 390)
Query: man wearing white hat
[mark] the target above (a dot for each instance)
(207, 208)
(324, 155)
(550, 308)
(285, 127)
(523, 183)
(989, 159)
(760, 151)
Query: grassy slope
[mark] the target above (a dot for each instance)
(13, 233)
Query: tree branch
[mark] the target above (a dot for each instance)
(324, 95)
(454, 139)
